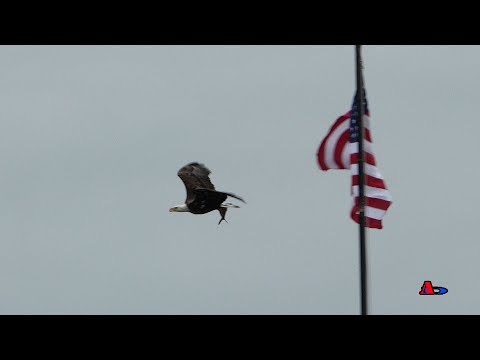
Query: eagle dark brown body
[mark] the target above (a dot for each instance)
(202, 197)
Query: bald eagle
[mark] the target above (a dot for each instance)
(201, 194)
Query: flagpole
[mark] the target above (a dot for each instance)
(361, 183)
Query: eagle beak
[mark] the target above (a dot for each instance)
(172, 209)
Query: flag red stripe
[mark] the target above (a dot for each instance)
(321, 155)
(367, 135)
(370, 181)
(374, 203)
(368, 158)
(370, 222)
(342, 142)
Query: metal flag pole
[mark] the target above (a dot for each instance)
(361, 182)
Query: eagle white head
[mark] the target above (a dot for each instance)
(180, 208)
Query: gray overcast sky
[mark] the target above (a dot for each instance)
(91, 138)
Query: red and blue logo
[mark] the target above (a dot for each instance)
(428, 289)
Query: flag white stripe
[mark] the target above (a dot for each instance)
(368, 170)
(374, 213)
(367, 147)
(372, 192)
(346, 156)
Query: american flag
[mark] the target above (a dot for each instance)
(334, 153)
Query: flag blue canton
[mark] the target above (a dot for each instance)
(354, 125)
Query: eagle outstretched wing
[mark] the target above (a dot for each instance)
(194, 176)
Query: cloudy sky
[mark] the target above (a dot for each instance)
(91, 138)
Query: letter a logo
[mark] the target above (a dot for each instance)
(427, 288)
